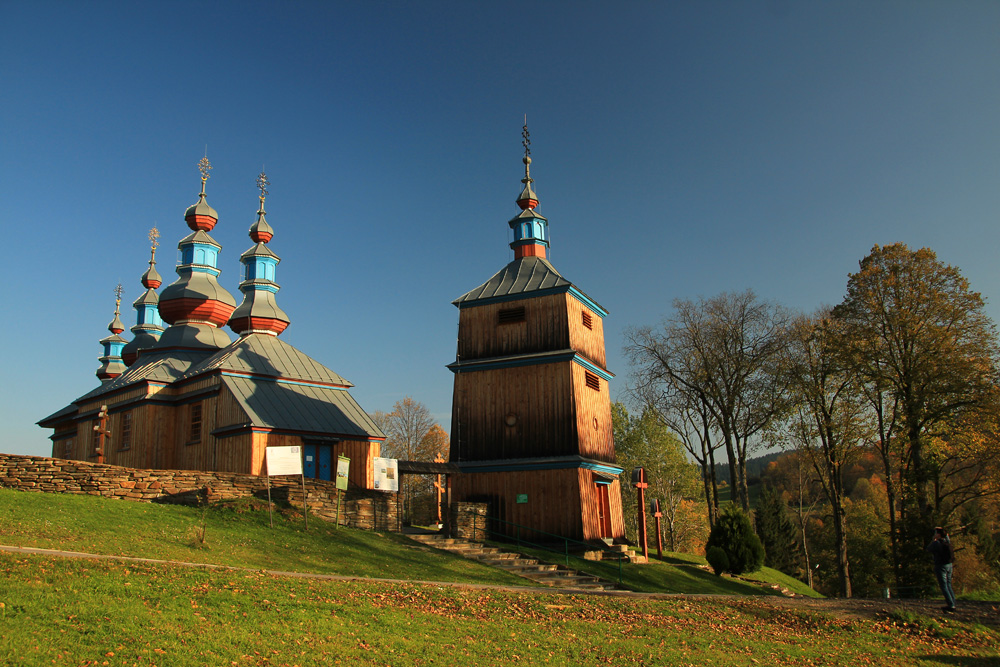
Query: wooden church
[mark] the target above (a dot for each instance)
(188, 397)
(531, 413)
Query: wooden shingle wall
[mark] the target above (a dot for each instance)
(544, 328)
(539, 400)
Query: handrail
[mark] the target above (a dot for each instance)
(565, 540)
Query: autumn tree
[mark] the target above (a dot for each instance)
(673, 480)
(926, 351)
(723, 350)
(411, 435)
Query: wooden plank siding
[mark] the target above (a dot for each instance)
(547, 490)
(588, 342)
(590, 506)
(539, 398)
(544, 328)
(593, 417)
(362, 470)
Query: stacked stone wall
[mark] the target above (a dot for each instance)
(470, 521)
(360, 508)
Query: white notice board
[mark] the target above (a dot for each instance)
(283, 461)
(386, 474)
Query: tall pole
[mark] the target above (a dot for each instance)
(639, 482)
(655, 506)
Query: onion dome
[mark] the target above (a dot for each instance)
(201, 215)
(148, 325)
(531, 229)
(111, 361)
(195, 304)
(259, 313)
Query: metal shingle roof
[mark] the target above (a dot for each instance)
(301, 407)
(164, 366)
(528, 274)
(262, 354)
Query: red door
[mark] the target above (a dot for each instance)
(604, 510)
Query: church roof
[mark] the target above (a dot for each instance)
(269, 356)
(301, 407)
(528, 274)
(167, 367)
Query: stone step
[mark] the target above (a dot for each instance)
(548, 574)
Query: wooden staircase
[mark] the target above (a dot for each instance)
(538, 571)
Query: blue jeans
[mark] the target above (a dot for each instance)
(943, 574)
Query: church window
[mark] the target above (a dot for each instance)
(588, 320)
(126, 430)
(68, 448)
(593, 381)
(510, 315)
(194, 431)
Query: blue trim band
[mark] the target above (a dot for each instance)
(593, 368)
(585, 300)
(267, 378)
(469, 467)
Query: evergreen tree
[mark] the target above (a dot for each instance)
(733, 534)
(777, 532)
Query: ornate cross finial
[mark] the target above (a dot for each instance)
(525, 140)
(153, 236)
(118, 297)
(262, 184)
(204, 166)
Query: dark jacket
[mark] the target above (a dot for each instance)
(941, 550)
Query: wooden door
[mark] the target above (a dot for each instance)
(604, 510)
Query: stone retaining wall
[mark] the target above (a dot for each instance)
(360, 508)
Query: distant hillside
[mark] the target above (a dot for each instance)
(755, 467)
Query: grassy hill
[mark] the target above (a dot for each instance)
(85, 612)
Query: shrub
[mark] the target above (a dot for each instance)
(718, 559)
(734, 534)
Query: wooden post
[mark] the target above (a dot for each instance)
(270, 508)
(438, 488)
(639, 482)
(655, 506)
(305, 505)
(101, 430)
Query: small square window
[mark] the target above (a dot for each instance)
(510, 315)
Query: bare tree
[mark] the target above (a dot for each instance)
(726, 351)
(829, 423)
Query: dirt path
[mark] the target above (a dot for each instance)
(986, 613)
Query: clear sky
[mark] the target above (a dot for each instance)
(680, 149)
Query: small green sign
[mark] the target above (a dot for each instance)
(343, 464)
(522, 498)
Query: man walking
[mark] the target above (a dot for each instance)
(941, 549)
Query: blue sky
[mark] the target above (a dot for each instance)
(680, 149)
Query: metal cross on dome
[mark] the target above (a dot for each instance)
(262, 183)
(525, 137)
(153, 236)
(204, 166)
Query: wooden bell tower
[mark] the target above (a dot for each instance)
(531, 416)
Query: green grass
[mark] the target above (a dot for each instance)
(676, 573)
(236, 534)
(85, 612)
(78, 612)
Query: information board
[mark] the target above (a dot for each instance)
(386, 474)
(283, 461)
(343, 465)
